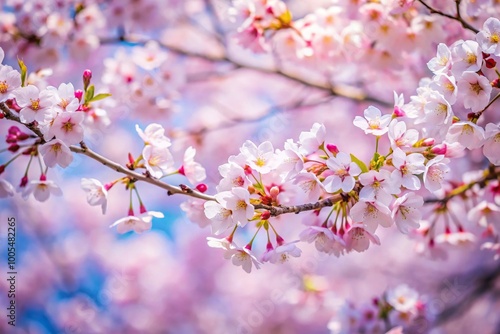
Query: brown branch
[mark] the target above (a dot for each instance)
(457, 17)
(491, 173)
(279, 210)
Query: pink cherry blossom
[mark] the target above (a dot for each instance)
(10, 80)
(138, 224)
(466, 133)
(407, 169)
(359, 238)
(491, 145)
(489, 37)
(374, 122)
(260, 158)
(406, 212)
(154, 135)
(282, 253)
(403, 298)
(466, 57)
(219, 216)
(310, 141)
(67, 127)
(475, 90)
(64, 97)
(237, 201)
(324, 240)
(435, 172)
(310, 184)
(6, 189)
(371, 214)
(193, 170)
(33, 103)
(97, 194)
(55, 152)
(344, 171)
(443, 61)
(245, 258)
(158, 160)
(41, 190)
(400, 136)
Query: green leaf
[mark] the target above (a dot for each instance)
(89, 94)
(99, 97)
(360, 163)
(24, 71)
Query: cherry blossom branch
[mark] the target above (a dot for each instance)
(172, 190)
(279, 210)
(492, 173)
(457, 17)
(345, 91)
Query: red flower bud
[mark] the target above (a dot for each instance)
(87, 75)
(490, 63)
(24, 181)
(2, 168)
(265, 215)
(202, 187)
(13, 148)
(332, 148)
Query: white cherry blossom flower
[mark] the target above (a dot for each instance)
(244, 257)
(324, 240)
(435, 172)
(238, 202)
(138, 224)
(343, 170)
(491, 145)
(400, 136)
(219, 216)
(41, 189)
(55, 152)
(406, 212)
(233, 175)
(6, 188)
(466, 133)
(373, 122)
(97, 194)
(10, 80)
(486, 213)
(403, 298)
(407, 167)
(193, 170)
(195, 211)
(475, 90)
(467, 56)
(158, 160)
(489, 37)
(443, 61)
(153, 135)
(446, 86)
(310, 184)
(310, 141)
(371, 214)
(282, 253)
(260, 158)
(378, 185)
(33, 103)
(64, 97)
(67, 127)
(358, 238)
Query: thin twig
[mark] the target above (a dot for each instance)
(457, 18)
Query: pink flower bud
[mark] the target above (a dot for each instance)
(428, 142)
(269, 246)
(43, 177)
(398, 112)
(13, 148)
(265, 215)
(274, 191)
(87, 75)
(142, 208)
(11, 139)
(24, 181)
(439, 149)
(202, 187)
(181, 171)
(332, 149)
(79, 94)
(22, 136)
(14, 130)
(280, 240)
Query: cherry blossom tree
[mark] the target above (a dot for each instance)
(326, 166)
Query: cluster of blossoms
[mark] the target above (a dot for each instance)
(157, 162)
(35, 29)
(400, 308)
(60, 114)
(373, 34)
(148, 80)
(423, 135)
